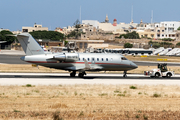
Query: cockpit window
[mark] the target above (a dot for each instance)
(123, 58)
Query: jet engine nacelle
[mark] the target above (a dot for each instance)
(67, 57)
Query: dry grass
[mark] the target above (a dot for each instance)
(89, 102)
(26, 68)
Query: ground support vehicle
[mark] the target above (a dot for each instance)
(161, 71)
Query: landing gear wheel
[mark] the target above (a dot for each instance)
(157, 75)
(125, 74)
(168, 75)
(73, 74)
(81, 75)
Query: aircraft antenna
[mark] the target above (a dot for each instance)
(80, 15)
(151, 16)
(132, 14)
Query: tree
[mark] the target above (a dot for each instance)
(77, 24)
(178, 44)
(167, 39)
(71, 34)
(130, 35)
(4, 37)
(133, 35)
(160, 44)
(128, 45)
(76, 32)
(123, 35)
(156, 45)
(178, 28)
(52, 35)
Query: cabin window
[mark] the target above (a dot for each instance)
(83, 59)
(106, 59)
(79, 59)
(97, 59)
(102, 59)
(123, 58)
(88, 59)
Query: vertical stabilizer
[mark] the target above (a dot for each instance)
(29, 44)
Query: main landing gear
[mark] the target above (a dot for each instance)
(81, 75)
(125, 74)
(73, 74)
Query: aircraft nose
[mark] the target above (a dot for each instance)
(22, 58)
(133, 65)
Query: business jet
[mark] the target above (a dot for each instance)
(73, 62)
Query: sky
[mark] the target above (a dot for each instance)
(62, 13)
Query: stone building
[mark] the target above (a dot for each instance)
(35, 28)
(84, 44)
(177, 35)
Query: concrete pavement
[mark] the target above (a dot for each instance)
(12, 52)
(63, 78)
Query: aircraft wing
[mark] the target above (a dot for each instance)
(85, 67)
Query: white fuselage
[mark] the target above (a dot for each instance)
(97, 62)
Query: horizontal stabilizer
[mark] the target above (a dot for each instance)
(3, 41)
(11, 35)
(23, 35)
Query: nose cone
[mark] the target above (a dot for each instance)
(22, 58)
(133, 65)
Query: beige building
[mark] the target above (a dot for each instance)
(84, 44)
(92, 35)
(67, 30)
(58, 29)
(177, 35)
(17, 32)
(146, 33)
(35, 28)
(1, 29)
(114, 27)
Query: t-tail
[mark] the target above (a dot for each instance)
(29, 44)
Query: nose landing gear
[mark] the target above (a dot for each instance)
(125, 74)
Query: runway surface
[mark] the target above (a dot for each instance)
(63, 78)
